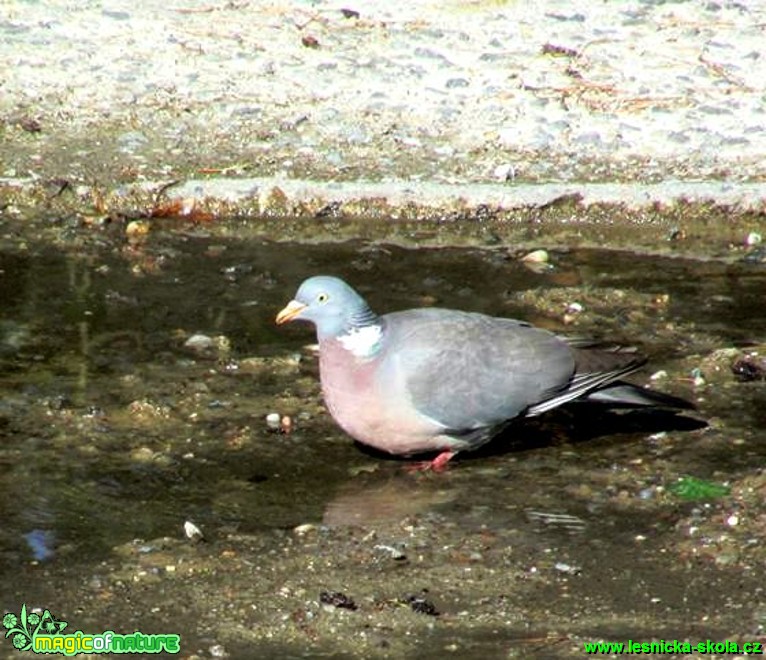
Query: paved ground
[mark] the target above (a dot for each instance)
(451, 93)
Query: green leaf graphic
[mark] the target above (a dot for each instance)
(24, 627)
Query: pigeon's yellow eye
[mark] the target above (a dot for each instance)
(322, 298)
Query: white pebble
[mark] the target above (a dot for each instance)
(199, 342)
(536, 256)
(274, 420)
(192, 531)
(732, 520)
(218, 651)
(753, 238)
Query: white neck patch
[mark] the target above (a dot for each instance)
(362, 341)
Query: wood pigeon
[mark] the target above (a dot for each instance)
(447, 381)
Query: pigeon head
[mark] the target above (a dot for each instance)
(331, 305)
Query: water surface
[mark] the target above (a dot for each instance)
(115, 432)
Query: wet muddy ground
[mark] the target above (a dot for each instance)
(136, 379)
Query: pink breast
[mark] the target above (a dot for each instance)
(361, 407)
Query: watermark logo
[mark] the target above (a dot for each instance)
(44, 633)
(22, 629)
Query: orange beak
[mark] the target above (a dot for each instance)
(292, 310)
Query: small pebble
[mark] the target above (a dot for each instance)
(199, 342)
(218, 651)
(422, 605)
(445, 150)
(274, 421)
(505, 172)
(337, 599)
(138, 228)
(537, 261)
(646, 494)
(455, 83)
(142, 454)
(193, 533)
(750, 368)
(410, 141)
(753, 238)
(566, 568)
(536, 256)
(304, 529)
(394, 553)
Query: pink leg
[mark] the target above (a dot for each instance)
(438, 464)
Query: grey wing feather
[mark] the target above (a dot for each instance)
(469, 371)
(582, 384)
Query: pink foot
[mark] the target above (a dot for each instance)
(439, 464)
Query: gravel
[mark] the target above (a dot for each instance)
(449, 93)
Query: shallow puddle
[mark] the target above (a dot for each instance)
(135, 385)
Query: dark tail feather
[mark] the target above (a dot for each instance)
(625, 395)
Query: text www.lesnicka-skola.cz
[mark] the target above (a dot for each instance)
(632, 647)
